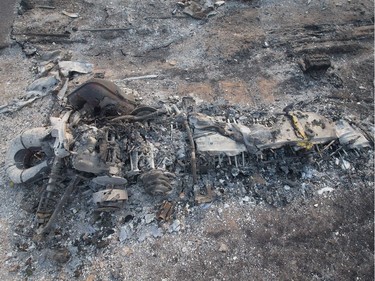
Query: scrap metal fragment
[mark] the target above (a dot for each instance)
(105, 29)
(71, 15)
(311, 128)
(61, 134)
(141, 117)
(214, 136)
(215, 144)
(47, 201)
(328, 146)
(300, 132)
(183, 118)
(134, 160)
(141, 77)
(304, 129)
(315, 62)
(62, 92)
(19, 163)
(166, 210)
(67, 67)
(45, 7)
(65, 35)
(157, 182)
(196, 10)
(36, 90)
(85, 157)
(44, 84)
(109, 180)
(100, 93)
(349, 136)
(110, 199)
(298, 129)
(68, 191)
(207, 198)
(192, 152)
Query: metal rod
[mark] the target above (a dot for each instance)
(105, 29)
(60, 205)
(45, 7)
(67, 35)
(44, 206)
(141, 77)
(139, 118)
(328, 145)
(151, 159)
(191, 141)
(192, 147)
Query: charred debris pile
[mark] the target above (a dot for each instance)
(116, 153)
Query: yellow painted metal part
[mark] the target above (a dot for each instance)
(300, 132)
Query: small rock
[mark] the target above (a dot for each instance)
(325, 189)
(246, 199)
(337, 161)
(50, 56)
(172, 62)
(316, 205)
(235, 172)
(345, 165)
(149, 218)
(156, 231)
(14, 268)
(91, 277)
(127, 251)
(24, 6)
(44, 68)
(286, 187)
(219, 3)
(143, 234)
(174, 227)
(71, 15)
(29, 49)
(125, 233)
(61, 255)
(9, 255)
(223, 248)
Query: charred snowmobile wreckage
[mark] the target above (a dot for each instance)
(103, 137)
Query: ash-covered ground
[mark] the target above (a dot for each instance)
(247, 60)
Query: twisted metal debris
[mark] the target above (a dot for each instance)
(102, 137)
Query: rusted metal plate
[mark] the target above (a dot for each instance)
(165, 211)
